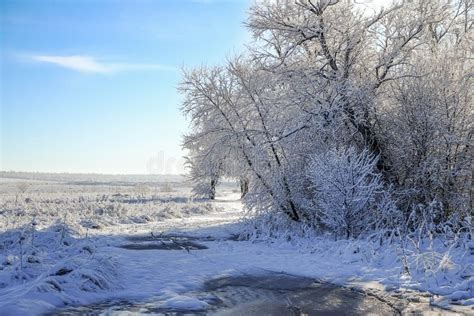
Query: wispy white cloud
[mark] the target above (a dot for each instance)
(88, 64)
(74, 62)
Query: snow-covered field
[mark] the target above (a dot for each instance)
(68, 243)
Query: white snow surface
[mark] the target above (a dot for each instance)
(91, 267)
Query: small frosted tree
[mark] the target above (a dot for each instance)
(204, 173)
(346, 189)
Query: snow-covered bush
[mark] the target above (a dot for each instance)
(429, 128)
(348, 192)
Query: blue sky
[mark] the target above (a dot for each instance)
(90, 86)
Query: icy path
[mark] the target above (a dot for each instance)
(175, 280)
(161, 273)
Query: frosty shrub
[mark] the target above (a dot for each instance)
(348, 192)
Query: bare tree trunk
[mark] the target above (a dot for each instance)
(212, 191)
(371, 141)
(244, 187)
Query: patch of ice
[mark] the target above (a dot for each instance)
(182, 302)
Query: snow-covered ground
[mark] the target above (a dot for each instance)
(70, 245)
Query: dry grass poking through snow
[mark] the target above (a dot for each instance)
(47, 234)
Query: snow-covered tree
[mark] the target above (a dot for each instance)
(211, 142)
(322, 74)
